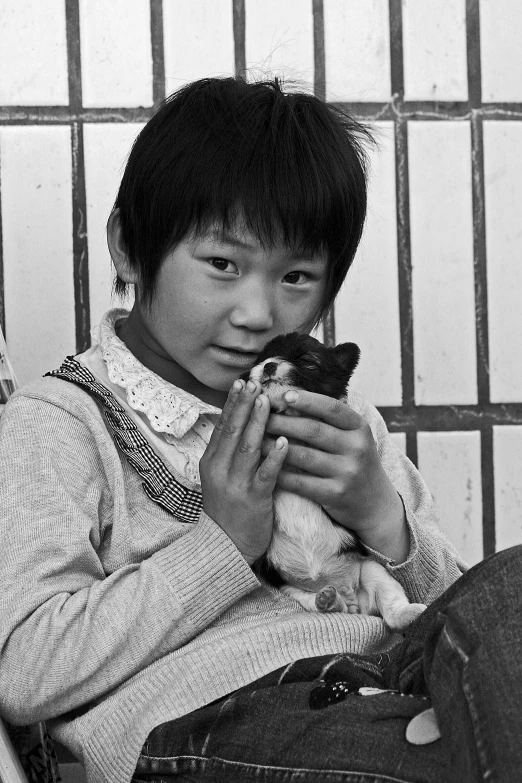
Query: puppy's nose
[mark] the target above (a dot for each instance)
(270, 368)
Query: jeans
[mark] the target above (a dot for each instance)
(309, 722)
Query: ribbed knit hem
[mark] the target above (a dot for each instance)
(205, 550)
(426, 573)
(181, 683)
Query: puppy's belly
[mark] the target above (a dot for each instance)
(306, 546)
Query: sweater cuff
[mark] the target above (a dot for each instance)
(422, 568)
(206, 571)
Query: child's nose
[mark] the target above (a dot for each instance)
(253, 310)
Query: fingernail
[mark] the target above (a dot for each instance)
(237, 385)
(258, 402)
(280, 443)
(251, 387)
(291, 396)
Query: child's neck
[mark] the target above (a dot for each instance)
(132, 332)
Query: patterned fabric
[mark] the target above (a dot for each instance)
(162, 411)
(170, 409)
(159, 484)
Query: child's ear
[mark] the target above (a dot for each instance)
(348, 354)
(118, 250)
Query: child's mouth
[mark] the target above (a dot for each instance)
(234, 357)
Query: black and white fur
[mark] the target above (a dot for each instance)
(312, 559)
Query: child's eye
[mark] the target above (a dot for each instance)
(223, 265)
(296, 278)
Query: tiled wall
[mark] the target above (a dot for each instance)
(433, 298)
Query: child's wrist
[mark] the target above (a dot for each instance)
(390, 536)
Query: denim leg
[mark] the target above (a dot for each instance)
(463, 651)
(268, 732)
(466, 650)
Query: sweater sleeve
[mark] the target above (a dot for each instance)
(71, 629)
(433, 563)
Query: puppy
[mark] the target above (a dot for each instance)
(311, 558)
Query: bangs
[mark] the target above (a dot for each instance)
(230, 156)
(279, 169)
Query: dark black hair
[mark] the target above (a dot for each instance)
(219, 151)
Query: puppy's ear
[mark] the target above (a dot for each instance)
(348, 355)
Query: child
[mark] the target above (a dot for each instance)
(137, 489)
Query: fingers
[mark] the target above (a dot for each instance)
(234, 418)
(249, 447)
(326, 409)
(328, 430)
(269, 470)
(318, 489)
(307, 431)
(233, 394)
(318, 463)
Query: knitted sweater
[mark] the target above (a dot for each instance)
(116, 615)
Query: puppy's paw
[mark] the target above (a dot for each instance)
(329, 600)
(406, 616)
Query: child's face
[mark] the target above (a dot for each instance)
(218, 300)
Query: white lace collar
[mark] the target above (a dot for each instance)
(168, 408)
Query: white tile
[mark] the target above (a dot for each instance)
(442, 258)
(503, 186)
(198, 40)
(399, 440)
(501, 52)
(367, 308)
(37, 243)
(357, 48)
(507, 451)
(33, 53)
(106, 147)
(280, 40)
(449, 462)
(116, 53)
(434, 44)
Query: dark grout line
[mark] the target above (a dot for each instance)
(79, 201)
(239, 29)
(402, 190)
(404, 264)
(64, 115)
(74, 60)
(396, 49)
(488, 492)
(80, 243)
(473, 53)
(480, 258)
(480, 268)
(319, 50)
(432, 418)
(416, 111)
(478, 200)
(320, 92)
(158, 51)
(412, 451)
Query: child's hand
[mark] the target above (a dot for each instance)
(335, 463)
(237, 483)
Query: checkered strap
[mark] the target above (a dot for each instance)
(158, 482)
